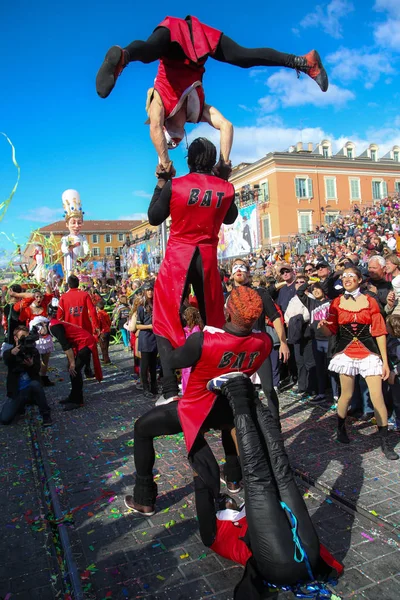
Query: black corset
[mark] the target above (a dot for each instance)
(355, 332)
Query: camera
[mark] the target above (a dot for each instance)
(27, 345)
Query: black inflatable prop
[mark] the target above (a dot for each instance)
(285, 548)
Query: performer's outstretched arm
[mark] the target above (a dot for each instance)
(159, 210)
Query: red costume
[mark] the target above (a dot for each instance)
(26, 314)
(198, 206)
(76, 307)
(222, 352)
(339, 316)
(104, 321)
(79, 338)
(176, 78)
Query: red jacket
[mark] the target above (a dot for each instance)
(76, 307)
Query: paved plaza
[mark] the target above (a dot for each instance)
(86, 460)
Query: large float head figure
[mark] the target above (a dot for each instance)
(74, 247)
(73, 211)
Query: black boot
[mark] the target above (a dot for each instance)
(45, 381)
(341, 431)
(310, 64)
(383, 434)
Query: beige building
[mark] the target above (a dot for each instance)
(310, 185)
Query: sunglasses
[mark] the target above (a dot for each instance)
(285, 271)
(308, 270)
(351, 275)
(300, 282)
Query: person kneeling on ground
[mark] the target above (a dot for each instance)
(23, 379)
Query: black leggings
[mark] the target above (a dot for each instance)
(164, 420)
(267, 384)
(148, 366)
(228, 51)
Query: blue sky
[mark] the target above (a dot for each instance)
(67, 137)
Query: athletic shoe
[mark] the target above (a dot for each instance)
(305, 396)
(161, 401)
(318, 399)
(394, 425)
(215, 385)
(145, 511)
(114, 63)
(90, 375)
(311, 64)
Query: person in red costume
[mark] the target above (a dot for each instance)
(79, 345)
(182, 47)
(76, 307)
(213, 351)
(198, 204)
(32, 305)
(360, 350)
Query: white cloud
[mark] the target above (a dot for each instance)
(252, 143)
(134, 217)
(327, 17)
(289, 91)
(269, 104)
(396, 122)
(42, 214)
(387, 34)
(349, 64)
(141, 194)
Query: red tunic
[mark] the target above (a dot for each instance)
(104, 321)
(79, 338)
(366, 316)
(222, 353)
(174, 77)
(76, 307)
(198, 206)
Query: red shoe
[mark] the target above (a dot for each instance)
(114, 63)
(315, 69)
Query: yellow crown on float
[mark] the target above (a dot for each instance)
(72, 204)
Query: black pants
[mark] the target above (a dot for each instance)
(82, 359)
(306, 371)
(267, 384)
(228, 51)
(148, 367)
(164, 420)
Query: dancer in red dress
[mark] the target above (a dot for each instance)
(182, 47)
(360, 350)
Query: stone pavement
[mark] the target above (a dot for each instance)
(120, 555)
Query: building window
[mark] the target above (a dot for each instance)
(355, 193)
(304, 187)
(109, 251)
(349, 152)
(379, 190)
(266, 228)
(121, 237)
(120, 249)
(373, 155)
(305, 221)
(95, 251)
(397, 187)
(264, 191)
(330, 188)
(95, 238)
(108, 238)
(396, 155)
(331, 216)
(325, 151)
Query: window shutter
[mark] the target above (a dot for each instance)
(266, 228)
(354, 187)
(265, 189)
(309, 188)
(384, 189)
(297, 183)
(330, 188)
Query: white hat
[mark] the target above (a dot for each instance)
(72, 204)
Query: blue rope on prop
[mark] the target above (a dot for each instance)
(315, 590)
